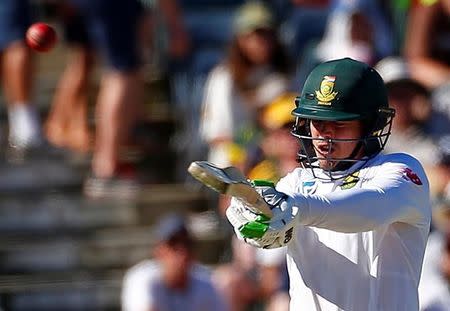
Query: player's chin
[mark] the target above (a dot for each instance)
(327, 164)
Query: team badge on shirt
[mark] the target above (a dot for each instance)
(325, 95)
(408, 174)
(350, 181)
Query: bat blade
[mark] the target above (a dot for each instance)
(229, 181)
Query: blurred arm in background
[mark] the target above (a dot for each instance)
(426, 43)
(179, 43)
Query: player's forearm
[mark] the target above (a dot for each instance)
(357, 210)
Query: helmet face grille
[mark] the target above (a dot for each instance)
(372, 143)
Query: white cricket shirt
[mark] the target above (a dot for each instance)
(361, 241)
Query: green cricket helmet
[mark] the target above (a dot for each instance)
(343, 90)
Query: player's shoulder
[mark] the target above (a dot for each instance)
(397, 161)
(399, 158)
(401, 166)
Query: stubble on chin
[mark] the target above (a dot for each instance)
(327, 164)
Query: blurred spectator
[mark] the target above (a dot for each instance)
(17, 74)
(254, 73)
(439, 175)
(397, 13)
(236, 280)
(250, 266)
(178, 38)
(397, 76)
(417, 127)
(67, 123)
(276, 120)
(426, 43)
(439, 129)
(121, 32)
(276, 152)
(357, 29)
(440, 100)
(273, 278)
(303, 22)
(349, 34)
(173, 281)
(253, 278)
(171, 55)
(421, 126)
(434, 286)
(411, 101)
(112, 27)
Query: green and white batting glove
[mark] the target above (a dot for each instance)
(259, 230)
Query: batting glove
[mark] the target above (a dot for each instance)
(259, 230)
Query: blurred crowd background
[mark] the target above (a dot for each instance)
(97, 211)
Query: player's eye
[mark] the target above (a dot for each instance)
(317, 123)
(341, 125)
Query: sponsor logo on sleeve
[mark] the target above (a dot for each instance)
(408, 174)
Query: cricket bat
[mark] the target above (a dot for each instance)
(229, 181)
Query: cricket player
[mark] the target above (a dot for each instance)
(355, 221)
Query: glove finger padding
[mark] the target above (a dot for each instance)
(246, 221)
(259, 230)
(238, 215)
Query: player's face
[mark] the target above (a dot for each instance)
(328, 151)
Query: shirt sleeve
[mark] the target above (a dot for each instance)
(399, 194)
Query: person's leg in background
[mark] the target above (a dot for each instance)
(67, 125)
(17, 74)
(121, 85)
(115, 31)
(116, 114)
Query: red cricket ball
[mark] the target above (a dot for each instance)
(41, 37)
